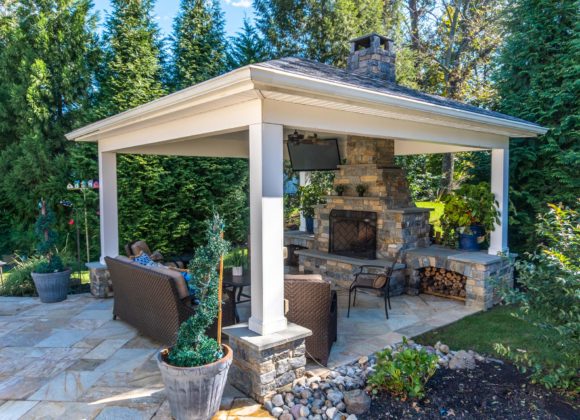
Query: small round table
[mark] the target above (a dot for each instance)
(237, 284)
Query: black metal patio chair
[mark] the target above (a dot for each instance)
(379, 281)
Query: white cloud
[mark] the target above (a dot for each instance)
(239, 3)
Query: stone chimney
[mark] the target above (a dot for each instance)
(372, 55)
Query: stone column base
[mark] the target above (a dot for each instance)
(101, 284)
(266, 364)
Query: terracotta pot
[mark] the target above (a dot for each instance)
(195, 393)
(52, 287)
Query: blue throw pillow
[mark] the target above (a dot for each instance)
(146, 260)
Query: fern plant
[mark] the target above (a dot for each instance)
(193, 347)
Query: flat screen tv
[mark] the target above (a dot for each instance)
(317, 155)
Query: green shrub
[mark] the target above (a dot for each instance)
(549, 298)
(52, 265)
(404, 373)
(193, 346)
(18, 281)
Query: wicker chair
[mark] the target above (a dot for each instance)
(156, 301)
(379, 281)
(313, 305)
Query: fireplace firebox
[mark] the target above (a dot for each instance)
(353, 233)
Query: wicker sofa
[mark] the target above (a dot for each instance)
(313, 305)
(156, 300)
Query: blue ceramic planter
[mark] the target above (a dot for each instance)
(309, 224)
(468, 242)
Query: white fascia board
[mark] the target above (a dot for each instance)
(234, 82)
(297, 82)
(252, 77)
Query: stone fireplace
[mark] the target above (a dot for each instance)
(349, 229)
(353, 233)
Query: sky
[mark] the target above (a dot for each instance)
(166, 10)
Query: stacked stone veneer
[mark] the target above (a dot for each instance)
(101, 283)
(341, 270)
(400, 225)
(374, 56)
(260, 371)
(484, 273)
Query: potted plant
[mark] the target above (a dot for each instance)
(470, 213)
(50, 277)
(238, 260)
(361, 189)
(340, 189)
(310, 196)
(195, 369)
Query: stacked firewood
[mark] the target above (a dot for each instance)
(439, 281)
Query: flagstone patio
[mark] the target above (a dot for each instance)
(71, 360)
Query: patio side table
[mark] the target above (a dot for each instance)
(237, 284)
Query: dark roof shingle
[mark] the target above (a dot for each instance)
(322, 71)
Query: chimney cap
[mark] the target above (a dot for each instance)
(365, 40)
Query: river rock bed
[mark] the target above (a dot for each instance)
(340, 394)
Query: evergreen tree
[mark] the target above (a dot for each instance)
(538, 81)
(132, 68)
(198, 43)
(46, 67)
(204, 185)
(246, 47)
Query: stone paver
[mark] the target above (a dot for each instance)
(70, 360)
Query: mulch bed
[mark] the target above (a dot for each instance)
(491, 391)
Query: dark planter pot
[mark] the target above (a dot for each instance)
(52, 287)
(309, 224)
(468, 242)
(477, 230)
(195, 393)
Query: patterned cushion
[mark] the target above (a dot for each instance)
(146, 260)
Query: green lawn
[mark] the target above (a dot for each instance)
(481, 331)
(435, 214)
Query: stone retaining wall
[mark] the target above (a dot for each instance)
(341, 273)
(483, 272)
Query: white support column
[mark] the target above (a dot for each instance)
(304, 178)
(267, 228)
(108, 205)
(500, 188)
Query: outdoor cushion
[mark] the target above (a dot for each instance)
(379, 282)
(126, 259)
(144, 259)
(177, 277)
(305, 277)
(141, 246)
